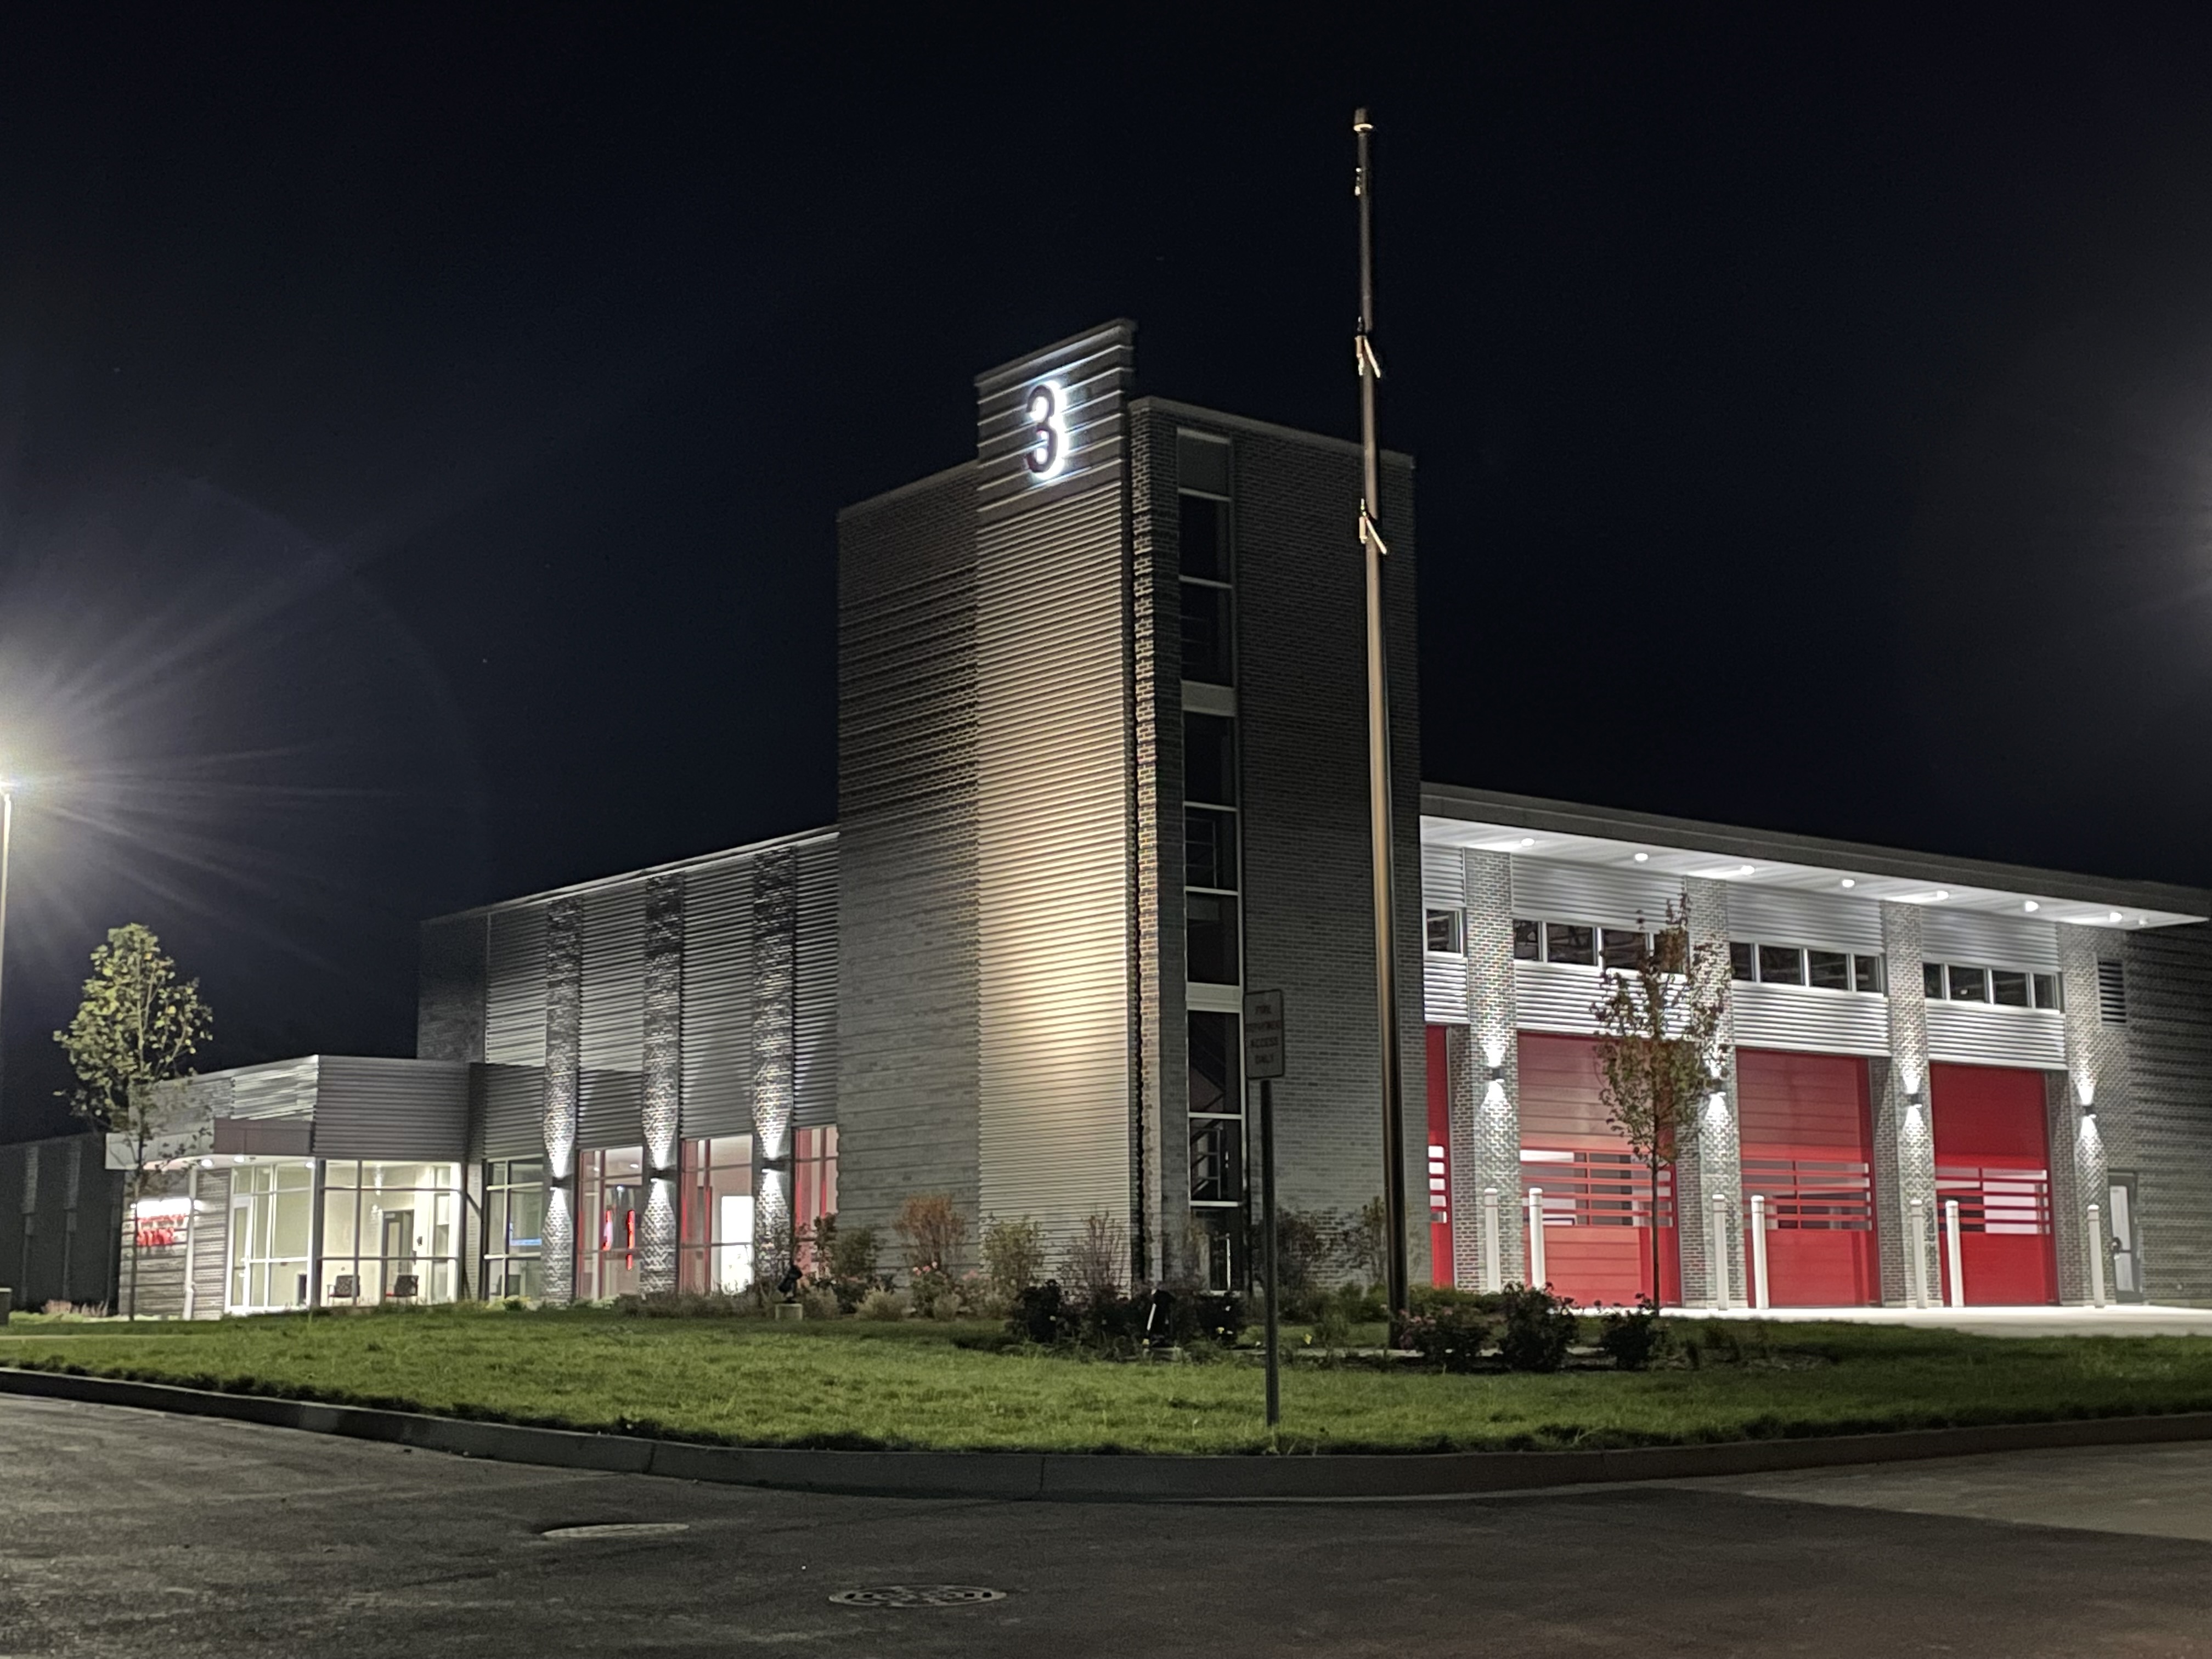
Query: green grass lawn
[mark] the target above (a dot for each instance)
(907, 1385)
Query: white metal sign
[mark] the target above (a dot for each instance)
(1263, 1035)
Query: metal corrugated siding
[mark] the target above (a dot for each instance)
(814, 1092)
(1806, 1019)
(609, 1110)
(1982, 1035)
(718, 1002)
(1054, 836)
(1969, 936)
(391, 1109)
(1775, 915)
(2168, 1133)
(1590, 892)
(515, 994)
(510, 1111)
(906, 849)
(1552, 997)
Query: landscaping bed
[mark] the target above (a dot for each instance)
(913, 1385)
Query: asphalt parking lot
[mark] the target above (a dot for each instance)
(129, 1532)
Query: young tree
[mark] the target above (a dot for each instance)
(1658, 1048)
(136, 1027)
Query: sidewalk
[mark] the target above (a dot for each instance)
(2133, 1319)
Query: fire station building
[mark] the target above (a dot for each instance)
(1102, 768)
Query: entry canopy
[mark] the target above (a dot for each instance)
(1531, 828)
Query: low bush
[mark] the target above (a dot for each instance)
(1536, 1330)
(1451, 1337)
(1111, 1325)
(882, 1304)
(1631, 1337)
(1013, 1260)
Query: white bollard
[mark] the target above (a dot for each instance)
(1537, 1271)
(1957, 1294)
(1759, 1292)
(1492, 1277)
(1717, 1232)
(2095, 1239)
(1916, 1254)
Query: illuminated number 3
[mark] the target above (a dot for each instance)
(1048, 437)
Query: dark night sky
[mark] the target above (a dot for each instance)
(420, 430)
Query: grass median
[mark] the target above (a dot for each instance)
(912, 1385)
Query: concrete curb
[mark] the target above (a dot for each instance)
(1100, 1478)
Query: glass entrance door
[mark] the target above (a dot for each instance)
(398, 1250)
(2127, 1242)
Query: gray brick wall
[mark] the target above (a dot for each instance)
(1904, 1137)
(449, 1013)
(564, 1034)
(1166, 1250)
(2096, 1064)
(662, 1052)
(1713, 1164)
(775, 995)
(1302, 700)
(1485, 1111)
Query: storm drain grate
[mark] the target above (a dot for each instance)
(917, 1596)
(616, 1529)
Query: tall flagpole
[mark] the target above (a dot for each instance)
(1378, 741)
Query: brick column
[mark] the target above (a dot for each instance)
(1904, 1121)
(1714, 1162)
(776, 1011)
(1486, 1078)
(2088, 1103)
(663, 1059)
(564, 1059)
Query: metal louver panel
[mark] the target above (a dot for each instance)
(211, 1243)
(1054, 834)
(1444, 877)
(1980, 1034)
(509, 1111)
(814, 1091)
(1969, 936)
(1808, 1020)
(610, 1109)
(395, 1108)
(283, 1089)
(514, 997)
(1553, 996)
(718, 1002)
(1589, 892)
(1775, 915)
(1444, 986)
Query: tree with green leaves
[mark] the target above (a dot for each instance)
(1659, 1048)
(137, 1027)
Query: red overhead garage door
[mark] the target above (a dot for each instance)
(1808, 1137)
(1596, 1198)
(1993, 1158)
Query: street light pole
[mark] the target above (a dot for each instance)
(7, 839)
(1378, 743)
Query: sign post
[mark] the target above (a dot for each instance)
(1263, 1061)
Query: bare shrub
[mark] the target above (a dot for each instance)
(1095, 1262)
(931, 1230)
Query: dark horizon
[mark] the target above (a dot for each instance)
(421, 434)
